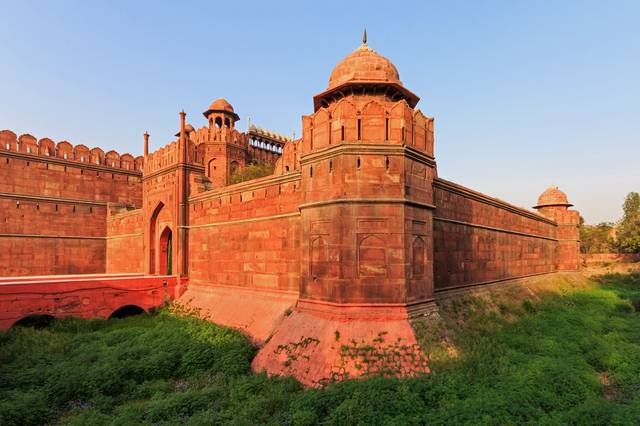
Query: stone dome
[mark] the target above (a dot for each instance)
(553, 197)
(221, 105)
(188, 128)
(364, 65)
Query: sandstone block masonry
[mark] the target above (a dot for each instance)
(353, 233)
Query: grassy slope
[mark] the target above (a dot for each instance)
(561, 351)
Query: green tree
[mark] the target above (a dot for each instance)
(596, 238)
(250, 172)
(628, 231)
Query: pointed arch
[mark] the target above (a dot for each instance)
(321, 121)
(165, 249)
(420, 130)
(418, 256)
(372, 256)
(345, 119)
(153, 223)
(373, 122)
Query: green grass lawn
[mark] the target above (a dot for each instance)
(568, 356)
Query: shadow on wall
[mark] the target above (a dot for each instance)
(127, 311)
(35, 321)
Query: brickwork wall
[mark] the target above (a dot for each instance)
(480, 239)
(42, 238)
(125, 242)
(54, 204)
(247, 235)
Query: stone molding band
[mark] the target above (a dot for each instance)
(491, 228)
(160, 172)
(234, 222)
(363, 148)
(114, 237)
(368, 201)
(62, 237)
(36, 198)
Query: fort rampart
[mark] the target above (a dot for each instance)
(53, 204)
(352, 234)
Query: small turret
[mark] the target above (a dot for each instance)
(554, 204)
(221, 114)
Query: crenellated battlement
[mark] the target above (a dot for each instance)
(65, 151)
(162, 157)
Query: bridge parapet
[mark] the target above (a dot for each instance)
(83, 296)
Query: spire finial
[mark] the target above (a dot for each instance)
(364, 37)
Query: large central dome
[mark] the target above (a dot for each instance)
(364, 65)
(364, 71)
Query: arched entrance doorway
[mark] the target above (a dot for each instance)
(165, 248)
(152, 239)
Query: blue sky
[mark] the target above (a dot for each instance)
(525, 94)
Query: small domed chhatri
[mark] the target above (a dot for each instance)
(552, 197)
(221, 106)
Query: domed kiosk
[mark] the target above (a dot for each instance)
(364, 70)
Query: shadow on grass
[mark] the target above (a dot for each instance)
(560, 354)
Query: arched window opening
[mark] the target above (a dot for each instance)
(218, 122)
(286, 168)
(227, 123)
(359, 128)
(342, 133)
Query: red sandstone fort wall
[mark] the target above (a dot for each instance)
(42, 238)
(54, 204)
(247, 235)
(481, 239)
(125, 242)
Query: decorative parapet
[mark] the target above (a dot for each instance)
(65, 151)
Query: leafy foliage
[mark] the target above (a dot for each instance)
(597, 239)
(624, 237)
(250, 172)
(628, 238)
(567, 358)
